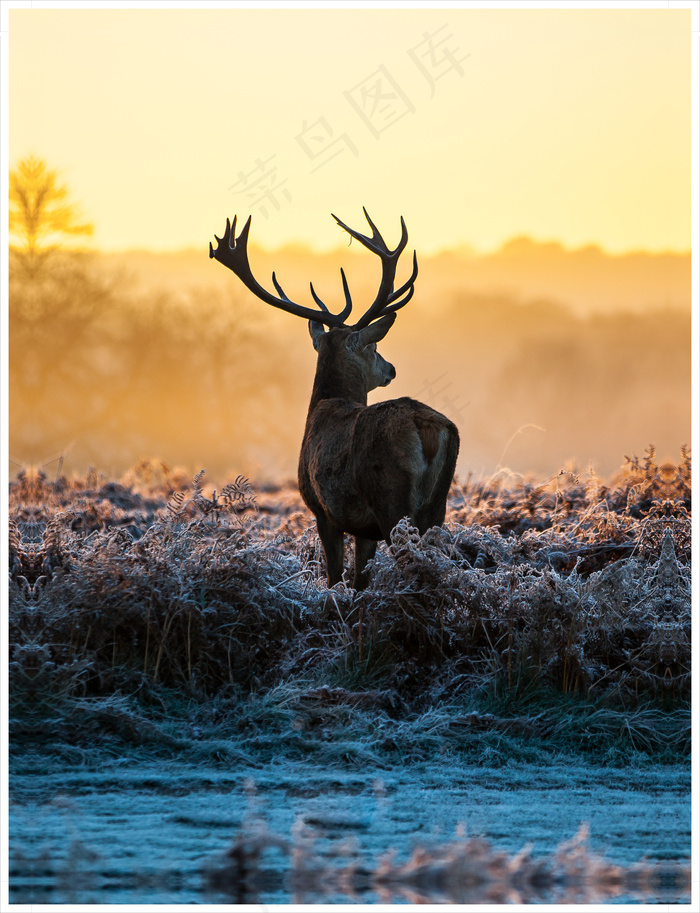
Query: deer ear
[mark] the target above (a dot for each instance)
(375, 331)
(317, 332)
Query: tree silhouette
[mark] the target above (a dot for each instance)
(41, 217)
(123, 371)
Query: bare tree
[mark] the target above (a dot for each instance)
(41, 217)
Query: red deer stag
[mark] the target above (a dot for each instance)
(361, 468)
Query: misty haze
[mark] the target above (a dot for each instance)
(204, 645)
(542, 356)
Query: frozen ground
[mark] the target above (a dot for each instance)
(197, 717)
(138, 833)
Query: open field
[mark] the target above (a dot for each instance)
(573, 597)
(544, 628)
(503, 713)
(165, 831)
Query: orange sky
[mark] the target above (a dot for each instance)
(476, 125)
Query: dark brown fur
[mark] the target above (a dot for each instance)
(429, 435)
(363, 468)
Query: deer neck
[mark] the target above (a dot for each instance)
(338, 381)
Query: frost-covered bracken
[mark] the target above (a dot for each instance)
(554, 614)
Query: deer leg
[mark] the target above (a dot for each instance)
(433, 513)
(332, 541)
(393, 493)
(364, 551)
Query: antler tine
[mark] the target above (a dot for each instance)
(376, 243)
(344, 314)
(386, 299)
(407, 286)
(399, 304)
(227, 233)
(318, 301)
(232, 252)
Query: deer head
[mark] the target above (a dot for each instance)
(351, 349)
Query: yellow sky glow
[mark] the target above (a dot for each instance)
(475, 125)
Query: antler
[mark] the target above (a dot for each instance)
(386, 300)
(233, 253)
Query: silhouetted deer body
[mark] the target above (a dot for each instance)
(361, 468)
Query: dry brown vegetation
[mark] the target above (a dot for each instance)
(461, 871)
(153, 612)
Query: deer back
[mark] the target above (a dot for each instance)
(366, 467)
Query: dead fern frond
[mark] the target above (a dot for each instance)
(239, 494)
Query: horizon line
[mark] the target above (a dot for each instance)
(463, 248)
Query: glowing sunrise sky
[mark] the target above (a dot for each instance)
(475, 125)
